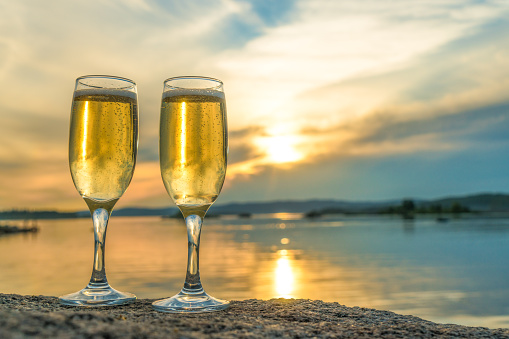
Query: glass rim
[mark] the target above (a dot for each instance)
(103, 76)
(219, 83)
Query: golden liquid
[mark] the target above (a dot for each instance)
(193, 146)
(103, 143)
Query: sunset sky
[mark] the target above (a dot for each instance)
(356, 100)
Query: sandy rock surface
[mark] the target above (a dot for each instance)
(44, 317)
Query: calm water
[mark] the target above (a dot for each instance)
(446, 272)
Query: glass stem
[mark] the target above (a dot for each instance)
(100, 217)
(193, 283)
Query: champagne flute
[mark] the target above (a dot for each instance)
(193, 145)
(102, 154)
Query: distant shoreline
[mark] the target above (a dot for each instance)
(477, 203)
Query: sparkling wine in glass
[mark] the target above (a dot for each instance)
(103, 143)
(192, 149)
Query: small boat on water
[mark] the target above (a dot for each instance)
(10, 229)
(313, 214)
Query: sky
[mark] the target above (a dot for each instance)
(352, 100)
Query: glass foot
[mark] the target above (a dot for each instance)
(103, 296)
(190, 302)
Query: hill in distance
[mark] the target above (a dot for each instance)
(485, 202)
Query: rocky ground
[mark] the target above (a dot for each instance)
(44, 317)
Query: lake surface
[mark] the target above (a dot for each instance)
(456, 272)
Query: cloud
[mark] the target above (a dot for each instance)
(453, 80)
(331, 42)
(241, 147)
(385, 135)
(28, 137)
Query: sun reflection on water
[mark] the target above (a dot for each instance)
(284, 277)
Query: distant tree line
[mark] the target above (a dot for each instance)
(407, 209)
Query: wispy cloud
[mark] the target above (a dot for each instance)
(329, 42)
(448, 80)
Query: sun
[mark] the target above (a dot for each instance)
(281, 149)
(278, 146)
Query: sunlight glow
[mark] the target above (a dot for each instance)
(284, 277)
(287, 216)
(281, 149)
